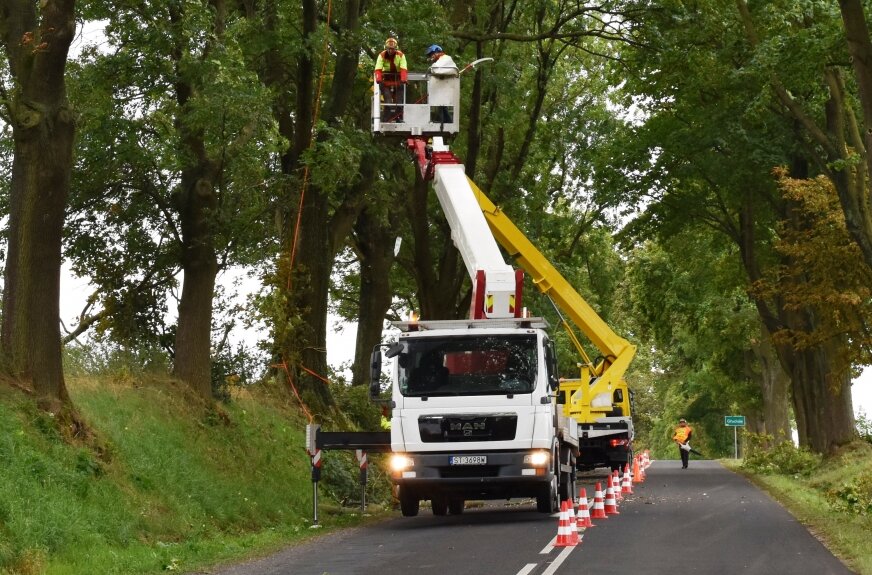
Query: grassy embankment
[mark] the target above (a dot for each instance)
(163, 484)
(833, 499)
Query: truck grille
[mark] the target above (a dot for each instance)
(469, 471)
(453, 428)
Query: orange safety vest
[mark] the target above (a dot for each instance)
(386, 68)
(682, 433)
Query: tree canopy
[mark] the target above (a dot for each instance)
(697, 170)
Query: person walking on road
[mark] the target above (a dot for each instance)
(682, 439)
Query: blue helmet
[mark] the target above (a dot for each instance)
(433, 49)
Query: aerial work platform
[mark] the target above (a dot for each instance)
(428, 106)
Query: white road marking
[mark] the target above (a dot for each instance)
(559, 561)
(547, 549)
(528, 568)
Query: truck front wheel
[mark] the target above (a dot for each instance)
(409, 503)
(546, 501)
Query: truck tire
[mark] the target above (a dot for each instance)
(546, 502)
(455, 506)
(439, 505)
(409, 503)
(620, 464)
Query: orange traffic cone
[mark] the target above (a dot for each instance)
(599, 510)
(564, 535)
(627, 482)
(642, 470)
(637, 472)
(611, 505)
(616, 485)
(573, 526)
(583, 511)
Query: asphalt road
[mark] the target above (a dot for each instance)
(705, 519)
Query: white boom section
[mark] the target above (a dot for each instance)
(473, 237)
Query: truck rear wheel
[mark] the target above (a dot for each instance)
(409, 503)
(439, 505)
(455, 506)
(621, 464)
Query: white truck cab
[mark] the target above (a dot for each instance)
(474, 414)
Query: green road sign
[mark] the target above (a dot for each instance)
(734, 420)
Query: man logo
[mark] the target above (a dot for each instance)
(468, 427)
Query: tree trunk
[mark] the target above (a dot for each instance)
(821, 400)
(820, 388)
(43, 129)
(774, 390)
(860, 48)
(311, 283)
(316, 241)
(375, 246)
(197, 203)
(193, 365)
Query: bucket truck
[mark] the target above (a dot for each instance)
(477, 407)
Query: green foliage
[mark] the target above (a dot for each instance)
(864, 427)
(683, 298)
(103, 358)
(783, 458)
(854, 497)
(232, 368)
(353, 402)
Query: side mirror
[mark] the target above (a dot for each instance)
(551, 365)
(394, 350)
(553, 382)
(375, 367)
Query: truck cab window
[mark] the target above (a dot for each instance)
(470, 366)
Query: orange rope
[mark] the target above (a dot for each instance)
(297, 225)
(284, 365)
(303, 190)
(313, 374)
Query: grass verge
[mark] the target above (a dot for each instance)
(164, 485)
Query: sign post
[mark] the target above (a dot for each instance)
(361, 460)
(735, 421)
(315, 455)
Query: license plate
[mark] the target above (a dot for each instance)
(467, 460)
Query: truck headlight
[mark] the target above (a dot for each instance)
(401, 462)
(537, 458)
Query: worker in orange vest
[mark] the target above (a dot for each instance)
(391, 74)
(682, 439)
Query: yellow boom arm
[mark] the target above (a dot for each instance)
(617, 351)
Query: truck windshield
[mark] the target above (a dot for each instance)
(475, 365)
